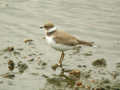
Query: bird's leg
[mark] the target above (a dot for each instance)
(60, 63)
(61, 59)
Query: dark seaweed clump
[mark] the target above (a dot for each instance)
(99, 63)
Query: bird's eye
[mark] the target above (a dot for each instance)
(45, 26)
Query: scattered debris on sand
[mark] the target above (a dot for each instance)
(31, 60)
(118, 65)
(11, 65)
(28, 40)
(9, 49)
(22, 66)
(81, 78)
(99, 63)
(8, 75)
(75, 73)
(34, 73)
(88, 53)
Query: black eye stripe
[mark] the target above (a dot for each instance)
(45, 26)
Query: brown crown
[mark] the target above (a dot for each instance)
(48, 26)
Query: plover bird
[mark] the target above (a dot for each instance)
(60, 40)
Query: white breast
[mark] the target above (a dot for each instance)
(56, 46)
(50, 40)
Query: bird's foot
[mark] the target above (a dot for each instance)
(55, 66)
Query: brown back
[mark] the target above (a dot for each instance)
(62, 37)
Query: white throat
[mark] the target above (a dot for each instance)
(52, 29)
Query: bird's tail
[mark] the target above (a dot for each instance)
(86, 43)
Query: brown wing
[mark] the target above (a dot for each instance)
(65, 38)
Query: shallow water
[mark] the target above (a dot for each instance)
(95, 20)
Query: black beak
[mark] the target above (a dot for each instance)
(41, 27)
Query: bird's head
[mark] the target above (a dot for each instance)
(49, 27)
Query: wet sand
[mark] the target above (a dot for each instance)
(96, 21)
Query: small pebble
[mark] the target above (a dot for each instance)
(44, 63)
(22, 66)
(79, 83)
(75, 73)
(8, 75)
(27, 40)
(99, 62)
(11, 65)
(9, 49)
